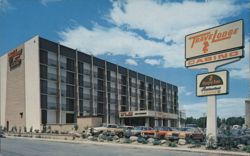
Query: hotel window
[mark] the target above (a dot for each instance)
(43, 57)
(69, 118)
(43, 85)
(70, 91)
(80, 67)
(43, 71)
(70, 104)
(70, 78)
(70, 64)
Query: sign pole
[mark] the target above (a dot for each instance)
(212, 112)
(212, 117)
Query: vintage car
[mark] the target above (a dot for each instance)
(157, 132)
(136, 131)
(191, 133)
(113, 128)
(238, 136)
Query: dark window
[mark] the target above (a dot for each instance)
(43, 85)
(80, 67)
(43, 57)
(150, 88)
(150, 96)
(43, 72)
(100, 73)
(123, 100)
(142, 94)
(44, 117)
(124, 80)
(81, 105)
(44, 101)
(70, 91)
(100, 108)
(100, 96)
(124, 90)
(70, 78)
(150, 105)
(100, 85)
(70, 104)
(80, 93)
(108, 75)
(108, 86)
(142, 105)
(70, 64)
(69, 118)
(123, 108)
(163, 91)
(80, 80)
(142, 85)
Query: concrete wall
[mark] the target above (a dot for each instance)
(86, 122)
(32, 83)
(3, 83)
(61, 127)
(15, 95)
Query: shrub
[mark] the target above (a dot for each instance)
(44, 130)
(36, 130)
(172, 144)
(156, 142)
(76, 127)
(246, 149)
(31, 129)
(14, 129)
(20, 130)
(211, 142)
(24, 129)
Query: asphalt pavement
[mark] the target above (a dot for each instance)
(24, 147)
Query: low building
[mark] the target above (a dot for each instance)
(43, 82)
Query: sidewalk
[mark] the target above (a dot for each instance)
(183, 149)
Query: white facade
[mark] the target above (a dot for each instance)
(31, 114)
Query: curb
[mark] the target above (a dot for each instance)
(137, 146)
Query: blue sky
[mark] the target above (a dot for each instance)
(143, 35)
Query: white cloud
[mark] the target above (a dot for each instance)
(131, 62)
(167, 22)
(152, 62)
(4, 5)
(226, 107)
(240, 70)
(100, 40)
(183, 90)
(45, 2)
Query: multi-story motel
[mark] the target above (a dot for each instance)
(43, 82)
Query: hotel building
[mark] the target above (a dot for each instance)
(43, 82)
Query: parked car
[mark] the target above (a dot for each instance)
(113, 128)
(157, 132)
(2, 135)
(136, 131)
(234, 135)
(191, 133)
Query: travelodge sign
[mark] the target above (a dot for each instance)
(215, 44)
